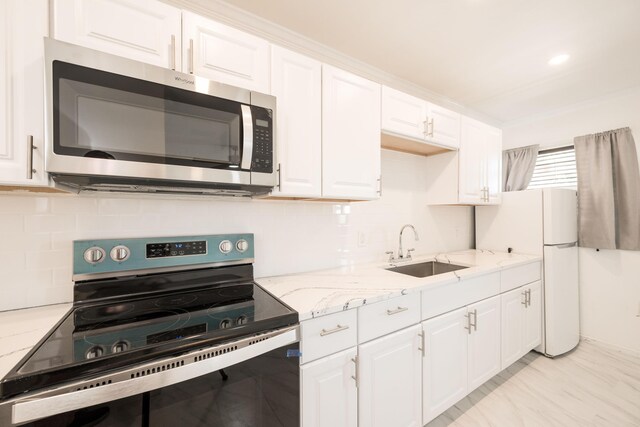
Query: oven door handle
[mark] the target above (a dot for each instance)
(247, 137)
(33, 408)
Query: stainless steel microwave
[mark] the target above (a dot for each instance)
(114, 124)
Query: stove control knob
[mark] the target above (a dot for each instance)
(242, 245)
(94, 255)
(225, 246)
(93, 352)
(120, 253)
(225, 323)
(242, 320)
(120, 346)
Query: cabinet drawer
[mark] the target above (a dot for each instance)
(450, 296)
(328, 334)
(515, 277)
(385, 317)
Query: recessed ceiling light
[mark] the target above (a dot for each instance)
(559, 59)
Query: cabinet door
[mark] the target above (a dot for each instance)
(143, 30)
(350, 136)
(296, 81)
(225, 54)
(403, 114)
(512, 326)
(329, 394)
(389, 384)
(484, 342)
(493, 156)
(472, 162)
(533, 317)
(444, 370)
(444, 128)
(23, 24)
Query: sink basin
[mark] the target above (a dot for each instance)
(425, 269)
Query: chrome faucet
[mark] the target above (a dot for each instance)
(401, 256)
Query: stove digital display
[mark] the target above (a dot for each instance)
(160, 250)
(177, 333)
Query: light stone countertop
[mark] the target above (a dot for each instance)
(311, 294)
(329, 291)
(21, 329)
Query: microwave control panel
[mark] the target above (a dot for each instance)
(262, 160)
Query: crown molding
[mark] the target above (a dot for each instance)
(233, 16)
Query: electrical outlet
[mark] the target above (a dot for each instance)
(362, 238)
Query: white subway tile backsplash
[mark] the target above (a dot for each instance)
(290, 236)
(49, 223)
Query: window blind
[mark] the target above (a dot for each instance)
(555, 168)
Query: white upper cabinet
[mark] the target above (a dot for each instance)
(296, 82)
(480, 163)
(407, 116)
(23, 24)
(473, 174)
(403, 114)
(443, 126)
(144, 30)
(350, 136)
(224, 54)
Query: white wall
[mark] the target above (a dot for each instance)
(37, 231)
(609, 280)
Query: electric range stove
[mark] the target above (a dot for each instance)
(144, 307)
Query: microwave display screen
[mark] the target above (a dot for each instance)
(104, 115)
(262, 123)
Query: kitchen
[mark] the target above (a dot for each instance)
(314, 223)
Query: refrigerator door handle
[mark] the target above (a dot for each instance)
(565, 245)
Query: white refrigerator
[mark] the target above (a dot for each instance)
(542, 222)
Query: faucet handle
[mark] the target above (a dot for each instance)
(409, 253)
(390, 253)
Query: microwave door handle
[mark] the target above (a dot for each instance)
(247, 137)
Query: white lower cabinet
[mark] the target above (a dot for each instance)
(462, 351)
(329, 394)
(521, 322)
(389, 380)
(445, 362)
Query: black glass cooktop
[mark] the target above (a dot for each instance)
(95, 338)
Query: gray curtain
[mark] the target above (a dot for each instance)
(608, 190)
(517, 167)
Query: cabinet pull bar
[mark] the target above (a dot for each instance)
(279, 177)
(528, 298)
(425, 128)
(397, 310)
(380, 184)
(190, 56)
(475, 319)
(355, 370)
(524, 294)
(173, 52)
(338, 328)
(422, 347)
(30, 148)
(430, 126)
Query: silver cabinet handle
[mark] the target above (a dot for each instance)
(422, 347)
(355, 370)
(338, 328)
(380, 185)
(173, 52)
(279, 177)
(191, 56)
(430, 126)
(30, 148)
(528, 298)
(425, 127)
(472, 325)
(524, 294)
(397, 310)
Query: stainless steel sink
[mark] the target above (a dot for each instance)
(425, 269)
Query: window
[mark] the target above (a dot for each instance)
(555, 168)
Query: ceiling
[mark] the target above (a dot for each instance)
(489, 55)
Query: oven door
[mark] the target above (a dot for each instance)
(250, 382)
